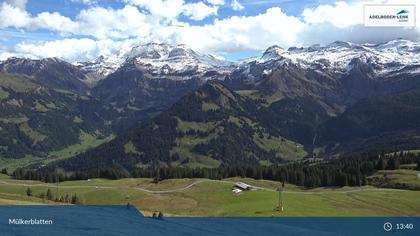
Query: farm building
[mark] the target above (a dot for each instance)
(243, 186)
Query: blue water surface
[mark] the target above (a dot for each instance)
(122, 220)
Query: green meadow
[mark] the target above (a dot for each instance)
(202, 197)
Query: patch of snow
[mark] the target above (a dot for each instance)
(337, 56)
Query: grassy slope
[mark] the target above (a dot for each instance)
(326, 202)
(87, 141)
(17, 83)
(286, 149)
(17, 198)
(402, 178)
(210, 198)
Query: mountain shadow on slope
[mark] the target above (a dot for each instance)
(382, 123)
(209, 127)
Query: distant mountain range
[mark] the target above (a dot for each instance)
(161, 61)
(171, 105)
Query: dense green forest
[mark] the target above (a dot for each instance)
(215, 127)
(37, 118)
(206, 128)
(348, 171)
(388, 122)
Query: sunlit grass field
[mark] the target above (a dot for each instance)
(201, 197)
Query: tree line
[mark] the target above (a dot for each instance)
(349, 171)
(48, 195)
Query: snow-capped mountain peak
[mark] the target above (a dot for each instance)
(179, 62)
(389, 56)
(273, 52)
(157, 58)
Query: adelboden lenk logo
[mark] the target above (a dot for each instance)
(389, 15)
(403, 12)
(403, 16)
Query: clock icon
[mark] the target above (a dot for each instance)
(387, 226)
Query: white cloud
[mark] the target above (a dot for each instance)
(344, 21)
(72, 49)
(5, 55)
(341, 14)
(95, 21)
(238, 33)
(216, 2)
(228, 35)
(169, 9)
(21, 4)
(16, 17)
(199, 11)
(146, 21)
(53, 21)
(109, 23)
(87, 2)
(345, 14)
(13, 16)
(327, 33)
(236, 5)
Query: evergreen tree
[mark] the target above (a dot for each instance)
(260, 176)
(342, 180)
(29, 191)
(381, 165)
(394, 163)
(49, 195)
(358, 180)
(157, 176)
(4, 171)
(349, 171)
(418, 163)
(364, 180)
(75, 199)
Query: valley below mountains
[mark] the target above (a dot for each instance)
(168, 105)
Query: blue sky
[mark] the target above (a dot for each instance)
(233, 29)
(71, 8)
(252, 7)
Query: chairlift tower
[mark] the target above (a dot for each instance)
(57, 181)
(280, 204)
